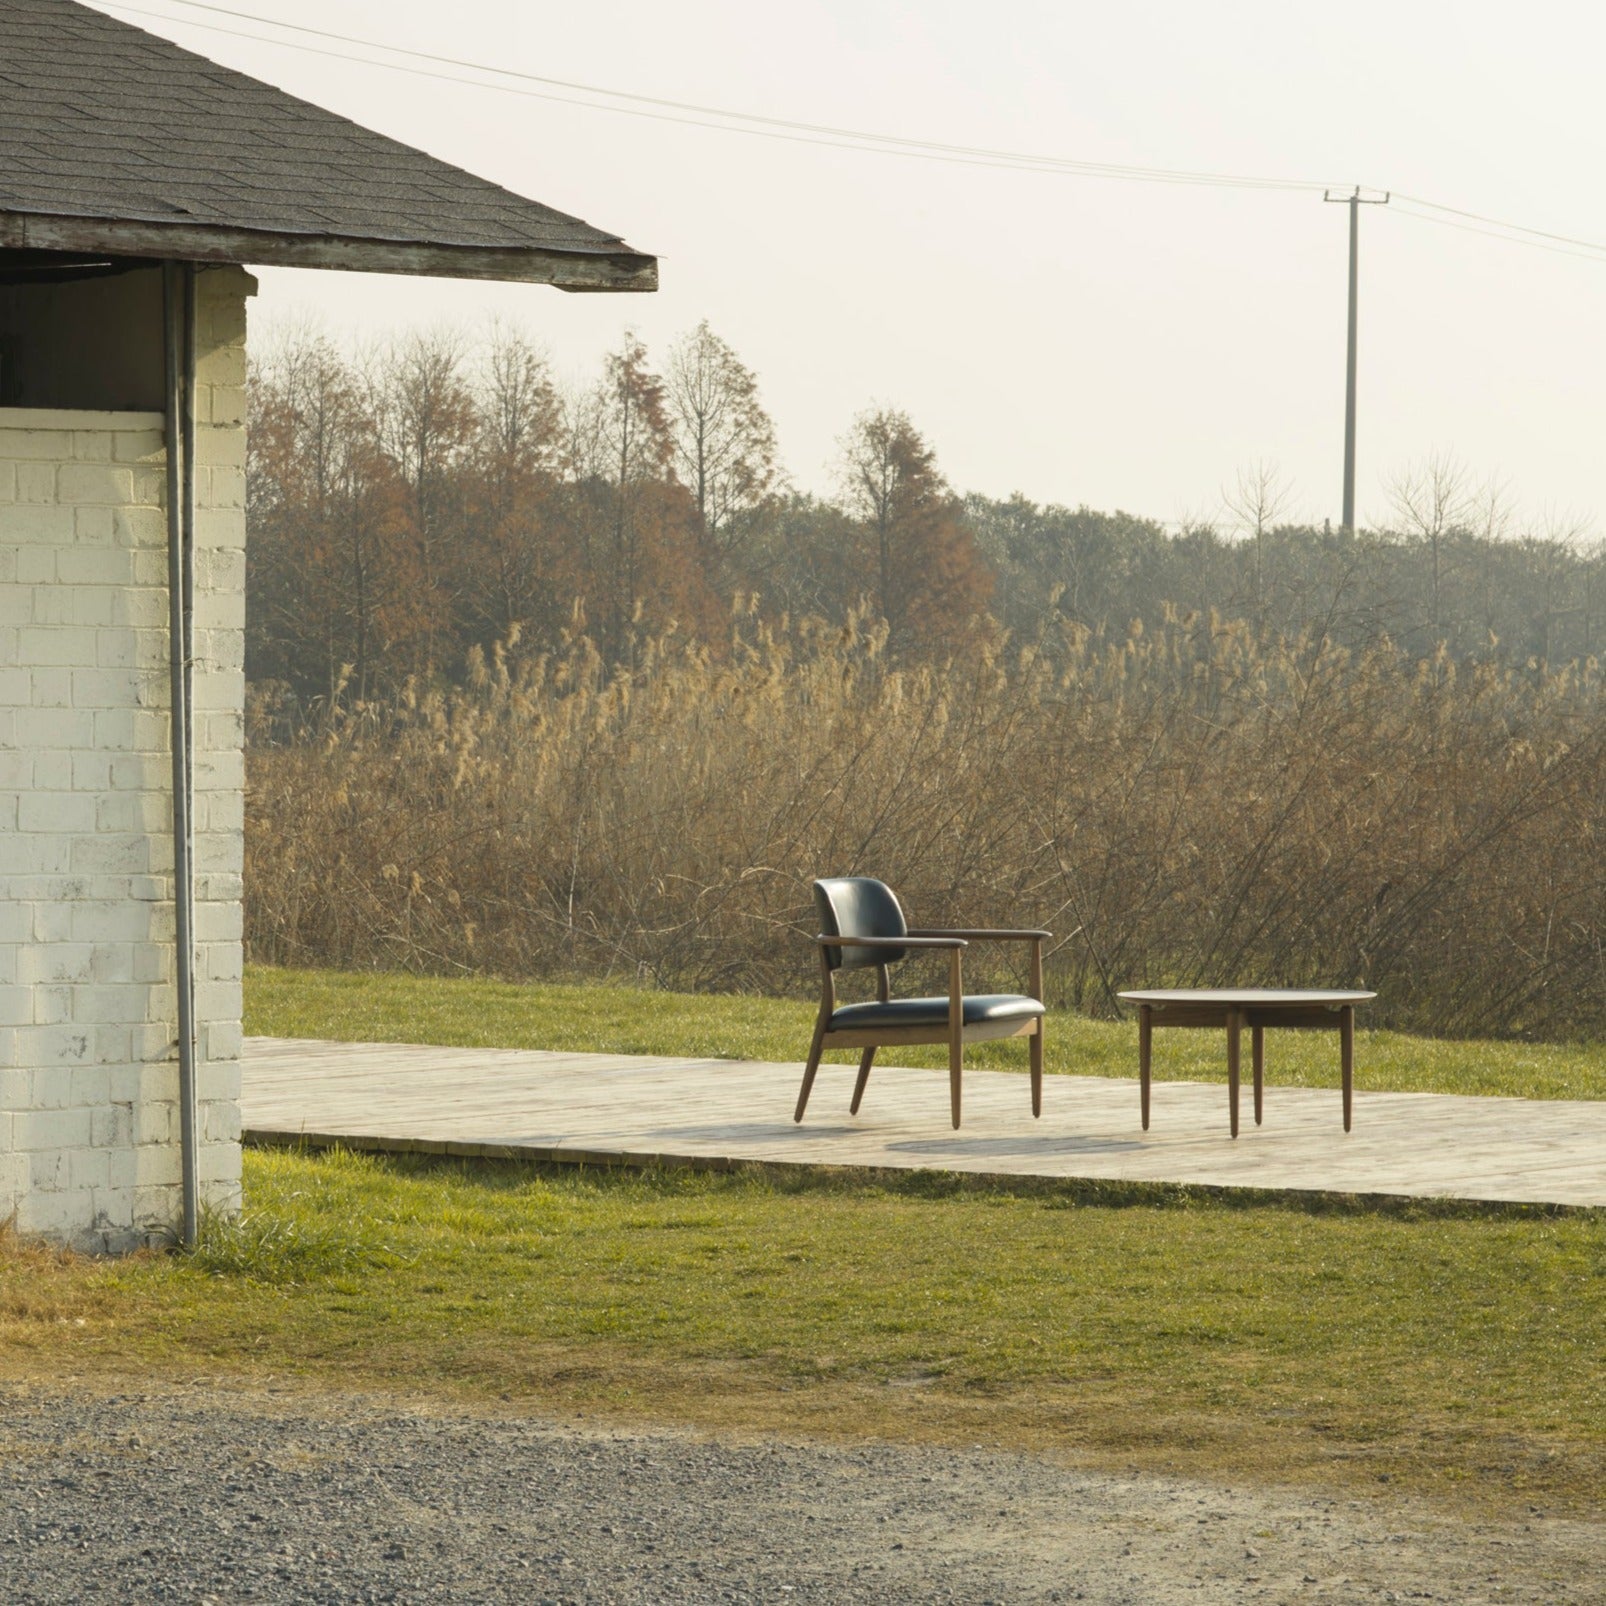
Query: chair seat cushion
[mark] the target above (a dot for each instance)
(979, 1009)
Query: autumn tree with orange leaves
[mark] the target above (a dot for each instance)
(518, 573)
(334, 585)
(432, 498)
(918, 558)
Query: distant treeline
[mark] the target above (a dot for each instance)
(1500, 595)
(411, 505)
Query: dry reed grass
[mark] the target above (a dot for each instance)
(1184, 804)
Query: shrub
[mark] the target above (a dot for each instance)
(1190, 804)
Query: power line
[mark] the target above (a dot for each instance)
(1589, 254)
(1499, 223)
(832, 137)
(727, 120)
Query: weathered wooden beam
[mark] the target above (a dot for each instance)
(579, 270)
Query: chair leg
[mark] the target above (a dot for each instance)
(808, 1070)
(864, 1076)
(956, 1062)
(1037, 1069)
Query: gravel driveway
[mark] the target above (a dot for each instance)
(204, 1493)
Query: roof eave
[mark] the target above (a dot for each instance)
(593, 270)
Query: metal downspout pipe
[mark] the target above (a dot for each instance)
(178, 344)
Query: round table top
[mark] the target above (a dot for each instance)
(1249, 997)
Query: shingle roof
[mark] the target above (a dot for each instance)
(114, 139)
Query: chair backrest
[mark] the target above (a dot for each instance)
(856, 906)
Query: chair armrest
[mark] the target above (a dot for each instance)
(982, 936)
(946, 940)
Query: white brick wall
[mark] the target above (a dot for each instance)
(89, 1124)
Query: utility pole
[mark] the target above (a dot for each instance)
(1354, 201)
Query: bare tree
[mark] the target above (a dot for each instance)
(427, 422)
(1257, 499)
(519, 402)
(508, 562)
(1490, 512)
(1431, 499)
(724, 445)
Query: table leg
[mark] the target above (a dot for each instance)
(1145, 1052)
(1233, 1022)
(1346, 1058)
(1257, 1059)
(1037, 1036)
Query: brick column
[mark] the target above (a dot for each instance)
(89, 1131)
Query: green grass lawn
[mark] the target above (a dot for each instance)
(1454, 1353)
(392, 1008)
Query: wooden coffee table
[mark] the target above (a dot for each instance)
(1314, 1008)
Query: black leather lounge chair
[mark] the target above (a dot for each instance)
(862, 924)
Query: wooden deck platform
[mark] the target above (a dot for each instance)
(639, 1109)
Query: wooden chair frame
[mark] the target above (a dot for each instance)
(954, 1033)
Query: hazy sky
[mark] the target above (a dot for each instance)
(1077, 339)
